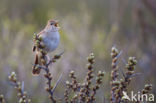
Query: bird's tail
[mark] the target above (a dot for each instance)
(36, 70)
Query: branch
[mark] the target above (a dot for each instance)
(57, 83)
(20, 88)
(50, 89)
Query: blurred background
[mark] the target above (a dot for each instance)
(86, 26)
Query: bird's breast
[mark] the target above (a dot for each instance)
(51, 41)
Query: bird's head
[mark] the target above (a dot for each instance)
(52, 25)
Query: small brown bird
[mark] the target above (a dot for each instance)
(49, 39)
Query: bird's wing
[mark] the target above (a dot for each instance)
(40, 33)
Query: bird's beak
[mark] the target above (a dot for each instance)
(56, 24)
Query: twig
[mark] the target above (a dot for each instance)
(54, 58)
(50, 89)
(57, 83)
(20, 88)
(135, 74)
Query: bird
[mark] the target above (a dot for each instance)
(48, 41)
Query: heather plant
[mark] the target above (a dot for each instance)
(84, 91)
(20, 89)
(118, 86)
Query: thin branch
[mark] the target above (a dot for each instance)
(53, 59)
(50, 89)
(53, 90)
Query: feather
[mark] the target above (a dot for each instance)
(34, 48)
(35, 70)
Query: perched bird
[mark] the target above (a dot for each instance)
(48, 41)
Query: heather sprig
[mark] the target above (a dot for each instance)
(114, 83)
(2, 99)
(147, 88)
(20, 89)
(84, 92)
(49, 88)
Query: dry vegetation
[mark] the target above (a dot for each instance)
(84, 92)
